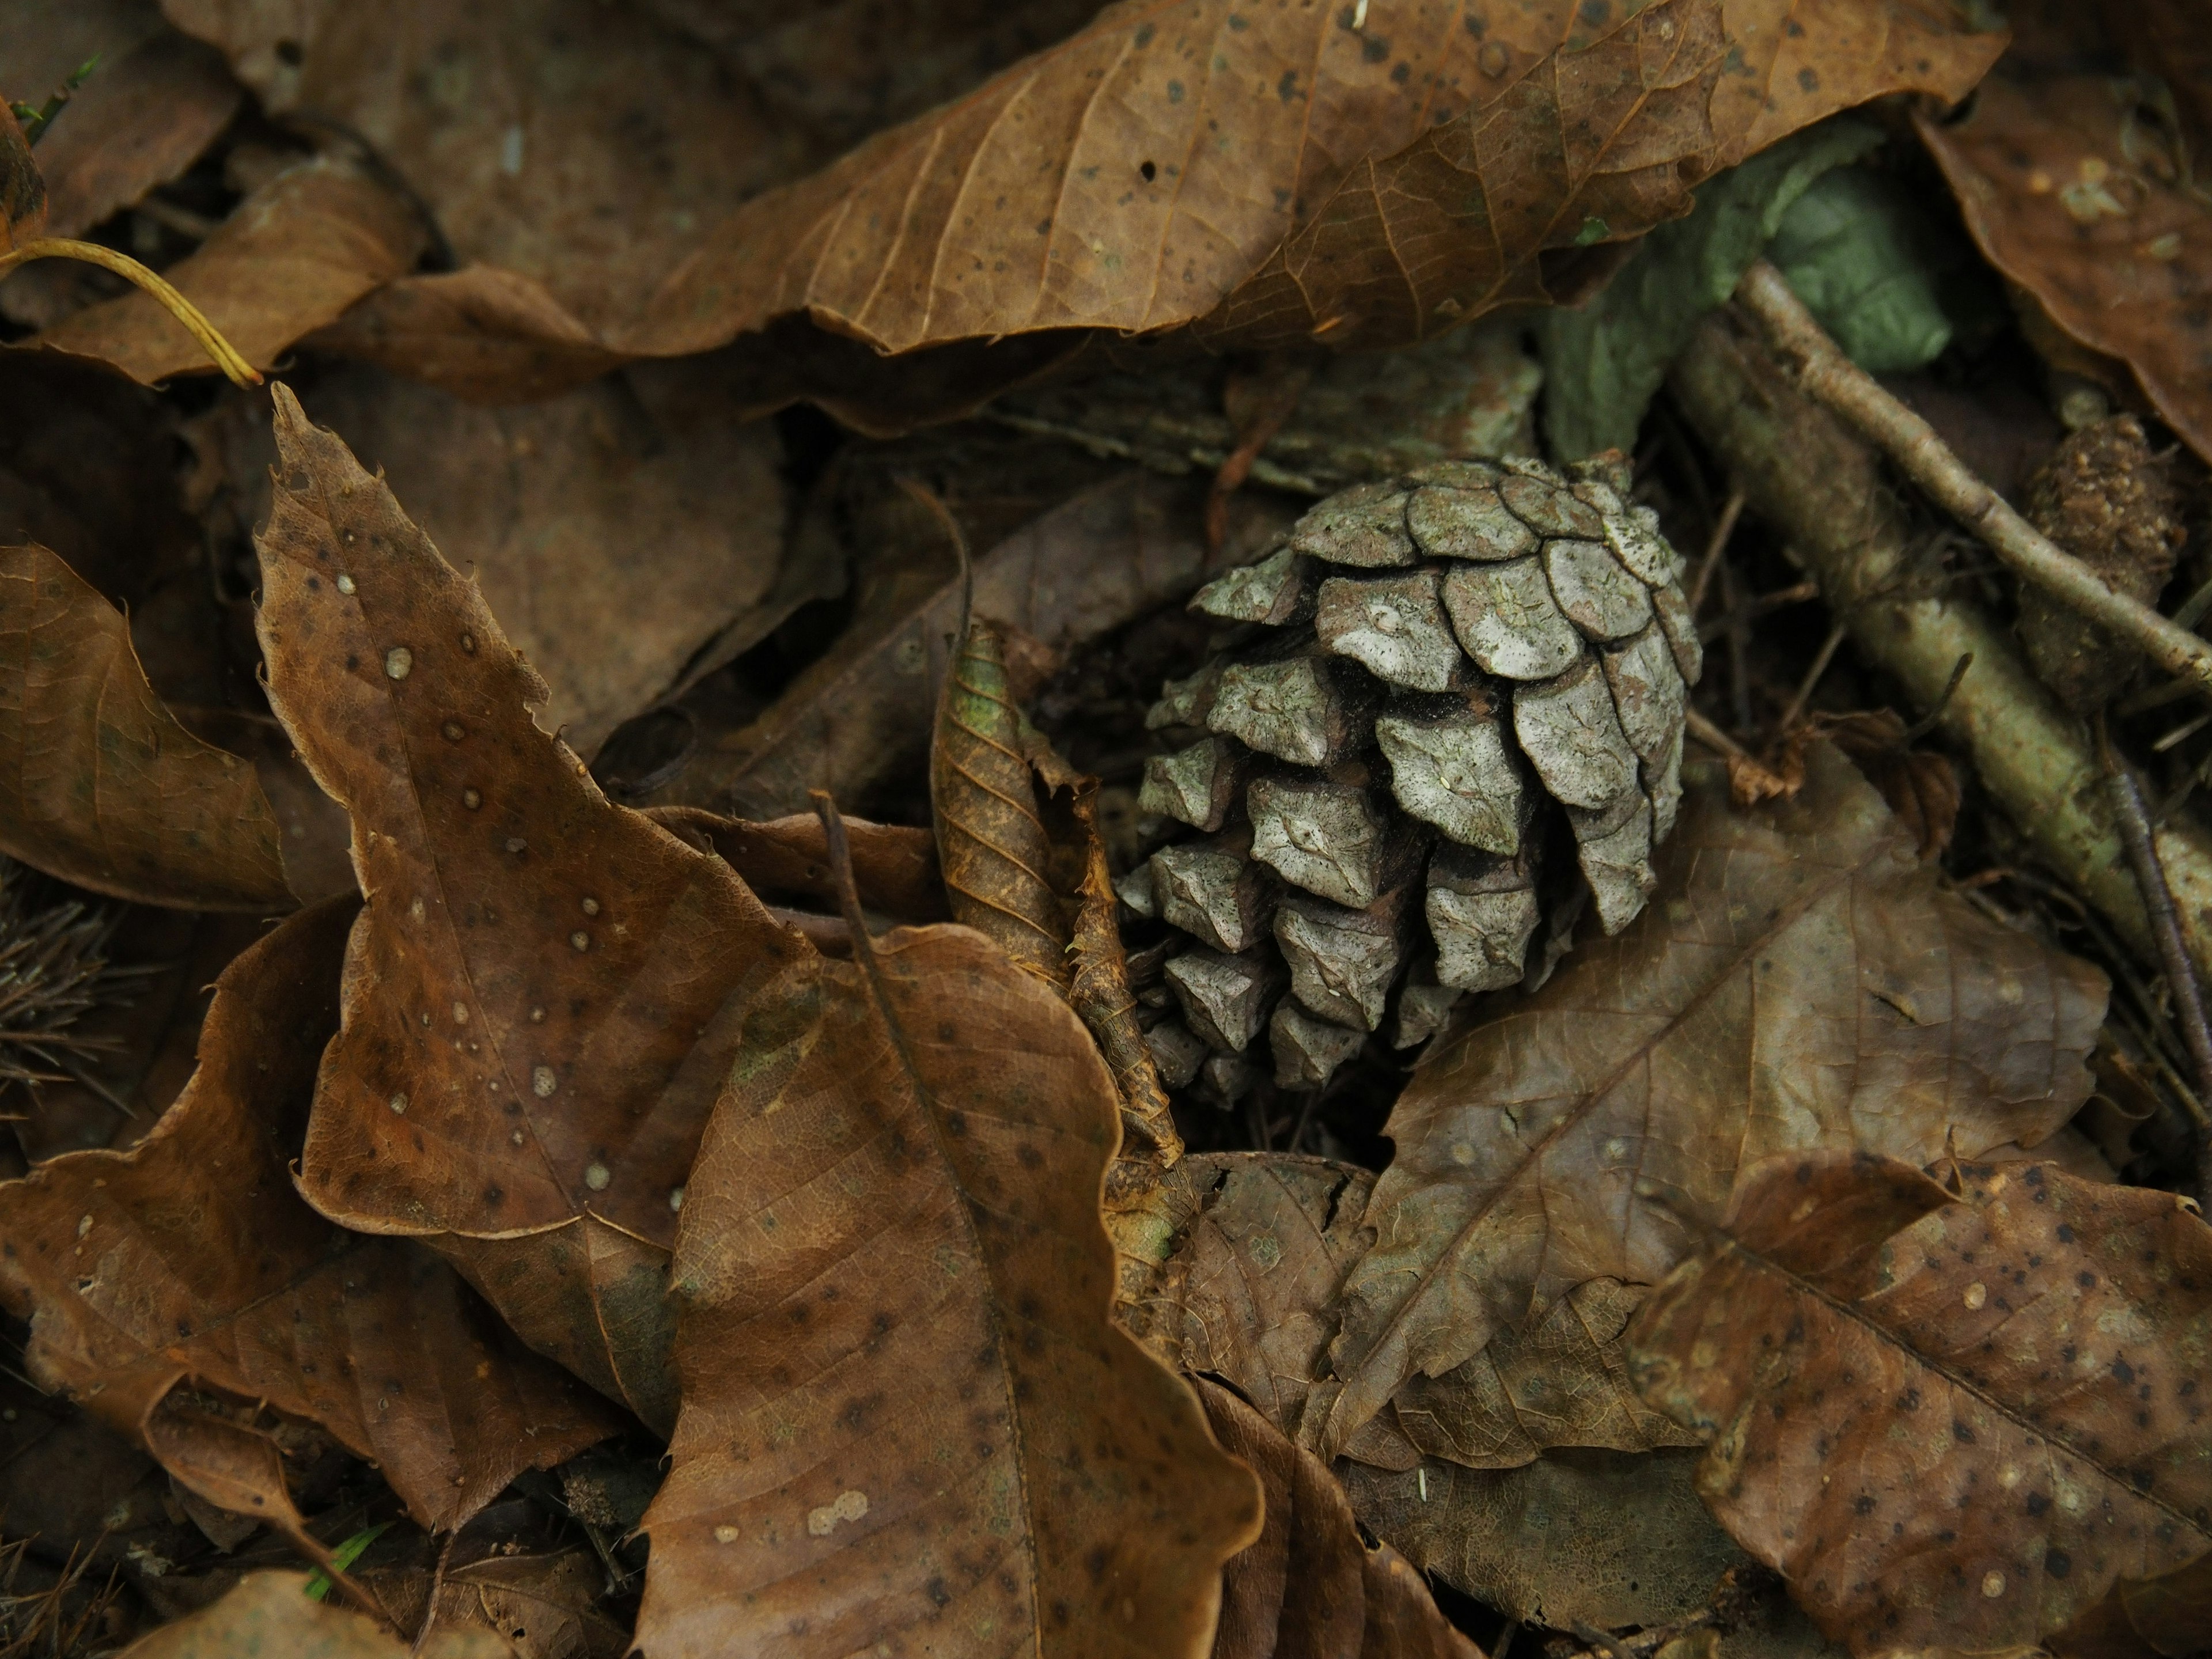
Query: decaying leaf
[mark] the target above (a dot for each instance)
(628, 535)
(155, 101)
(1606, 1538)
(1804, 985)
(105, 788)
(2076, 191)
(289, 258)
(861, 715)
(1951, 1418)
(272, 1613)
(1308, 1584)
(545, 992)
(189, 1262)
(893, 867)
(907, 1418)
(541, 1606)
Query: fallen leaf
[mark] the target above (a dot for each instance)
(861, 714)
(1308, 1584)
(544, 991)
(542, 1606)
(625, 535)
(270, 1612)
(893, 867)
(1969, 1413)
(1805, 985)
(2075, 190)
(289, 258)
(188, 1263)
(1265, 181)
(907, 1416)
(23, 191)
(154, 103)
(1610, 1538)
(106, 789)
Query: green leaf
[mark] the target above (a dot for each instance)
(318, 1582)
(1603, 362)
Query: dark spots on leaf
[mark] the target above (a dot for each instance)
(2065, 1234)
(2088, 1281)
(2123, 1370)
(1961, 1433)
(1402, 74)
(353, 661)
(2057, 1563)
(1145, 33)
(1096, 1561)
(495, 1195)
(2038, 1503)
(1807, 81)
(1863, 1504)
(1148, 171)
(938, 1593)
(1375, 49)
(1028, 1157)
(1175, 91)
(1287, 87)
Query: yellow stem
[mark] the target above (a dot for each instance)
(57, 247)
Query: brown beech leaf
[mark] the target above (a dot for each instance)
(1803, 984)
(625, 534)
(544, 1605)
(1309, 1584)
(1266, 177)
(190, 1262)
(272, 1613)
(787, 858)
(289, 258)
(1953, 1419)
(105, 788)
(907, 1418)
(155, 102)
(545, 990)
(2078, 193)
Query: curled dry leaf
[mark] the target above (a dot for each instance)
(105, 788)
(542, 1606)
(272, 1613)
(1309, 1584)
(189, 1263)
(289, 258)
(626, 535)
(1267, 178)
(1970, 1413)
(1806, 985)
(907, 1417)
(2084, 198)
(155, 101)
(783, 859)
(544, 991)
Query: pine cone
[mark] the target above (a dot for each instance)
(1436, 686)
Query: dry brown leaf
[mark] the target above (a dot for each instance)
(1947, 1418)
(861, 715)
(542, 1606)
(190, 1262)
(23, 191)
(1309, 1584)
(626, 535)
(907, 1418)
(1563, 1381)
(1611, 1539)
(2075, 190)
(1805, 984)
(289, 258)
(545, 990)
(155, 101)
(270, 1612)
(893, 867)
(1267, 178)
(105, 788)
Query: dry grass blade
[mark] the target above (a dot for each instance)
(105, 788)
(1973, 1412)
(1805, 985)
(545, 990)
(907, 1417)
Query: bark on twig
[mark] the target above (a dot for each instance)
(1823, 372)
(1821, 485)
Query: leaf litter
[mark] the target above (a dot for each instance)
(543, 1124)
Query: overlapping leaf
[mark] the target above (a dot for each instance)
(190, 1261)
(545, 992)
(104, 787)
(908, 1419)
(1803, 985)
(1946, 1418)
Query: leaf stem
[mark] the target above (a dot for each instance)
(225, 354)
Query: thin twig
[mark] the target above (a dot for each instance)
(1591, 1637)
(1715, 544)
(2187, 995)
(1738, 667)
(1928, 722)
(1713, 737)
(1828, 377)
(225, 355)
(1503, 1644)
(437, 1584)
(1826, 654)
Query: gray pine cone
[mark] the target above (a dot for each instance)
(1437, 678)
